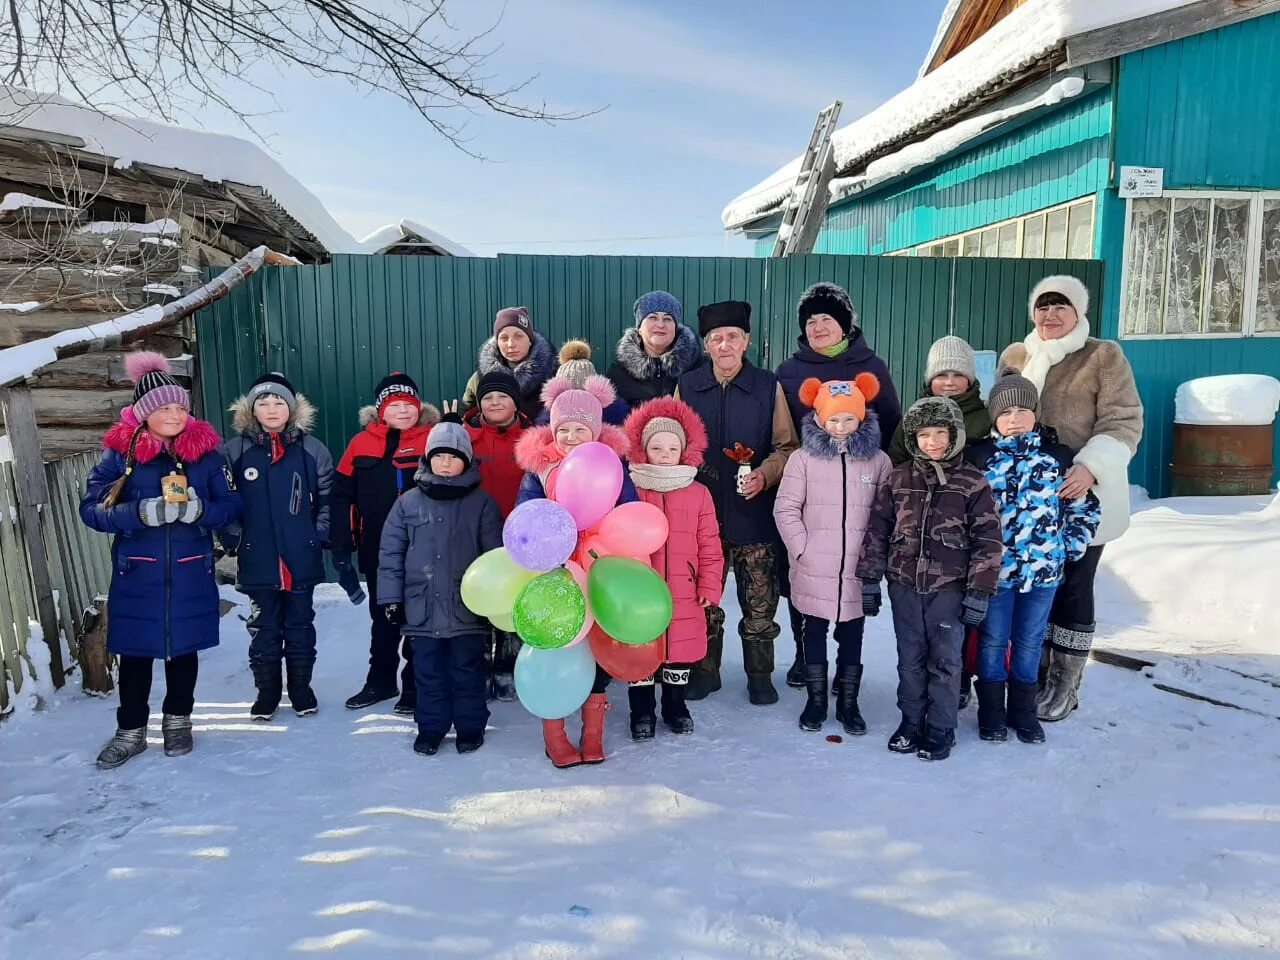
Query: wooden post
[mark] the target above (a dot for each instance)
(95, 661)
(33, 493)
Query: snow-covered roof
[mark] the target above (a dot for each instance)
(22, 201)
(411, 233)
(1024, 38)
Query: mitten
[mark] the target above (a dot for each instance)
(871, 599)
(190, 511)
(152, 511)
(973, 609)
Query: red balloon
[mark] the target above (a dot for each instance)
(623, 661)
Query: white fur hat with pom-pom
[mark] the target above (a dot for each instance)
(155, 386)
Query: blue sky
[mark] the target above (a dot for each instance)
(698, 102)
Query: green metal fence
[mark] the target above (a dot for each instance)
(335, 330)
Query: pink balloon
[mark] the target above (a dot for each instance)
(580, 578)
(587, 483)
(634, 530)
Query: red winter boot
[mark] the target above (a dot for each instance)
(559, 750)
(593, 712)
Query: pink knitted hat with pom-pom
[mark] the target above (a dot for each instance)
(155, 386)
(571, 405)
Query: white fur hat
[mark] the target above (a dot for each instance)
(1068, 286)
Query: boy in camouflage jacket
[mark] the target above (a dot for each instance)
(935, 534)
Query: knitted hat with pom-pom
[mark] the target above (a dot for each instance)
(155, 386)
(840, 396)
(575, 362)
(586, 406)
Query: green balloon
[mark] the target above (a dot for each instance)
(629, 600)
(550, 610)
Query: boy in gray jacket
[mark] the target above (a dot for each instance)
(431, 536)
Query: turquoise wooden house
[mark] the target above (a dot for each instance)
(1136, 132)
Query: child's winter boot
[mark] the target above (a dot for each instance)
(1022, 712)
(559, 750)
(906, 739)
(795, 673)
(675, 713)
(125, 744)
(643, 703)
(177, 735)
(937, 744)
(370, 694)
(407, 705)
(469, 742)
(427, 744)
(266, 676)
(815, 707)
(593, 711)
(848, 685)
(991, 717)
(300, 693)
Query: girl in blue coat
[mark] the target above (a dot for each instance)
(284, 476)
(160, 488)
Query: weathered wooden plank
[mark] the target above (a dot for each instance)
(98, 371)
(1113, 659)
(72, 248)
(1107, 43)
(79, 407)
(15, 585)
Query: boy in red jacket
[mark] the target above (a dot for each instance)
(377, 467)
(667, 443)
(494, 425)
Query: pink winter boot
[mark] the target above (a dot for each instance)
(593, 712)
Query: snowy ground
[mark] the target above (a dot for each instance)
(1148, 826)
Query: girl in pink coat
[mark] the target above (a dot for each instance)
(667, 443)
(824, 500)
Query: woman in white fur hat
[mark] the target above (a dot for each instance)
(1088, 395)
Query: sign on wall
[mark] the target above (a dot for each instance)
(1141, 182)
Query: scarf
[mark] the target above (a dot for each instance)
(835, 349)
(1043, 354)
(648, 476)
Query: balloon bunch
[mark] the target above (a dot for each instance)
(575, 568)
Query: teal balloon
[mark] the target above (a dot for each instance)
(554, 683)
(550, 610)
(630, 602)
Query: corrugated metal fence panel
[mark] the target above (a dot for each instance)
(335, 330)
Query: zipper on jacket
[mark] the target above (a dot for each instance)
(724, 425)
(921, 576)
(844, 529)
(168, 590)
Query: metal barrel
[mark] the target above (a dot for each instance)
(1211, 460)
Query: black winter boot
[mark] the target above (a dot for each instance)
(177, 734)
(937, 744)
(370, 694)
(906, 739)
(1022, 712)
(795, 673)
(643, 705)
(300, 693)
(427, 744)
(815, 708)
(848, 685)
(266, 676)
(407, 705)
(760, 689)
(966, 684)
(469, 742)
(675, 713)
(991, 718)
(125, 745)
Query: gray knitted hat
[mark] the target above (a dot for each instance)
(450, 436)
(1011, 389)
(950, 355)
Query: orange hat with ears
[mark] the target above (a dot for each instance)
(840, 396)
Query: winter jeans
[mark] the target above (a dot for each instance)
(135, 688)
(450, 677)
(930, 638)
(386, 646)
(848, 641)
(281, 624)
(1073, 612)
(755, 573)
(1018, 620)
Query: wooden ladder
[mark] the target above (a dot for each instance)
(807, 206)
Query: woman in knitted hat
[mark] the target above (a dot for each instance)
(950, 371)
(656, 351)
(518, 348)
(577, 417)
(827, 492)
(1088, 395)
(668, 441)
(831, 346)
(161, 489)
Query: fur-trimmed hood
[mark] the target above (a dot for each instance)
(861, 445)
(934, 412)
(531, 372)
(428, 416)
(684, 354)
(243, 420)
(695, 431)
(536, 450)
(196, 439)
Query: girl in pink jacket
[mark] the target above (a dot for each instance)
(824, 500)
(667, 443)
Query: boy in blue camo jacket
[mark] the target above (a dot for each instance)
(1041, 530)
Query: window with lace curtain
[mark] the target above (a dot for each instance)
(1202, 264)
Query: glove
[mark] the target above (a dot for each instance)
(190, 511)
(394, 613)
(871, 599)
(152, 511)
(350, 582)
(973, 609)
(341, 562)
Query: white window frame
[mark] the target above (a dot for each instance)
(922, 249)
(1253, 253)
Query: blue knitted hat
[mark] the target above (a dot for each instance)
(657, 301)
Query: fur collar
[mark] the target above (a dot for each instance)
(695, 432)
(536, 450)
(684, 354)
(862, 445)
(243, 420)
(531, 372)
(428, 416)
(197, 439)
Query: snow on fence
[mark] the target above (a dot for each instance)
(80, 570)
